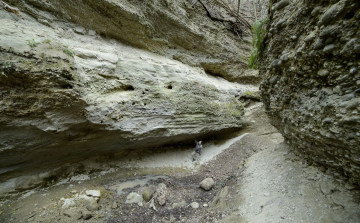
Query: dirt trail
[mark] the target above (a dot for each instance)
(277, 187)
(257, 179)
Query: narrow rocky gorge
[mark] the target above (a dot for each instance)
(101, 102)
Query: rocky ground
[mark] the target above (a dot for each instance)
(256, 179)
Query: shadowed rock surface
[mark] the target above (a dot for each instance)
(311, 86)
(96, 77)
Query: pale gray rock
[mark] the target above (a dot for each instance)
(80, 30)
(134, 198)
(329, 48)
(179, 204)
(194, 205)
(207, 183)
(323, 73)
(93, 193)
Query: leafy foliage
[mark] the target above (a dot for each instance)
(258, 30)
(68, 51)
(32, 43)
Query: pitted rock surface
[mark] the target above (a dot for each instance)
(311, 80)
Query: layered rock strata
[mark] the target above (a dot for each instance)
(311, 86)
(83, 80)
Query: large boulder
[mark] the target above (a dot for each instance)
(311, 86)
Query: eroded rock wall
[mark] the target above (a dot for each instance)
(97, 77)
(311, 86)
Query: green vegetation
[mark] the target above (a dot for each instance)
(68, 51)
(47, 41)
(7, 67)
(258, 30)
(32, 43)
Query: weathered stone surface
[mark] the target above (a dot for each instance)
(313, 100)
(74, 88)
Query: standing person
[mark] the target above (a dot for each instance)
(197, 153)
(198, 147)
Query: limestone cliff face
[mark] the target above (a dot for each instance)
(311, 85)
(97, 77)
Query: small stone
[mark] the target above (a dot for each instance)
(179, 205)
(86, 214)
(194, 205)
(161, 187)
(353, 70)
(93, 193)
(348, 48)
(205, 205)
(310, 37)
(325, 188)
(318, 44)
(207, 183)
(284, 57)
(281, 4)
(90, 204)
(134, 198)
(329, 40)
(80, 30)
(148, 193)
(73, 213)
(266, 194)
(323, 73)
(68, 203)
(114, 205)
(275, 63)
(316, 11)
(329, 48)
(347, 97)
(352, 104)
(350, 186)
(330, 15)
(161, 199)
(92, 32)
(338, 90)
(272, 30)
